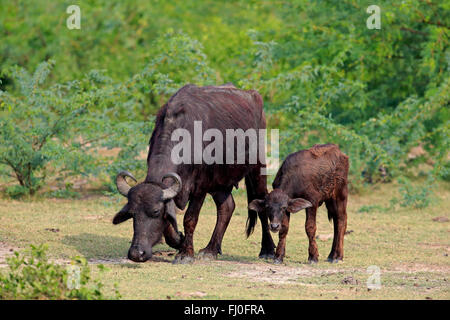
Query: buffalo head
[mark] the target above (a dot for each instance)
(152, 208)
(276, 204)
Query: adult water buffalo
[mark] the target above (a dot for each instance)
(152, 203)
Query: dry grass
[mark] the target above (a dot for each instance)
(410, 248)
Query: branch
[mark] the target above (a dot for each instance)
(437, 23)
(414, 31)
(96, 139)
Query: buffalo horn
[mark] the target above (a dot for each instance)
(121, 183)
(172, 191)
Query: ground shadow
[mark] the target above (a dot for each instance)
(109, 249)
(94, 246)
(239, 258)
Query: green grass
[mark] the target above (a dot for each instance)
(410, 249)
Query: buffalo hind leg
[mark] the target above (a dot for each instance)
(225, 206)
(186, 253)
(332, 214)
(255, 184)
(310, 227)
(340, 225)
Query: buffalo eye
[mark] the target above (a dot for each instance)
(153, 213)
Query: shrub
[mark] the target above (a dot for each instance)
(418, 197)
(32, 276)
(36, 125)
(56, 131)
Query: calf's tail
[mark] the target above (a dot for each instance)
(251, 222)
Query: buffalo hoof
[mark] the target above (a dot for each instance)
(313, 261)
(266, 255)
(207, 255)
(182, 259)
(331, 260)
(277, 261)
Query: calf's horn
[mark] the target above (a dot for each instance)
(172, 191)
(122, 185)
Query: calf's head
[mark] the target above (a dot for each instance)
(276, 204)
(153, 212)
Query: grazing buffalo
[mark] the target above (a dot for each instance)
(306, 179)
(170, 184)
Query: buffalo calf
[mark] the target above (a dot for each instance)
(307, 179)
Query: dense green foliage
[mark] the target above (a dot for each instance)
(54, 131)
(31, 276)
(324, 77)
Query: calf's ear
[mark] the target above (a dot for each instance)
(122, 216)
(298, 204)
(256, 205)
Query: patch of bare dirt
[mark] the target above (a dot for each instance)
(350, 280)
(416, 152)
(419, 267)
(328, 236)
(435, 246)
(191, 294)
(441, 219)
(274, 273)
(324, 237)
(109, 261)
(6, 251)
(92, 217)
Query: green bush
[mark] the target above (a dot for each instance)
(371, 208)
(16, 191)
(376, 93)
(31, 276)
(36, 127)
(418, 197)
(55, 132)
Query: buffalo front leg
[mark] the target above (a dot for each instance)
(310, 227)
(281, 248)
(225, 206)
(186, 253)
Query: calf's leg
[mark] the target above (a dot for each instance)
(337, 209)
(281, 248)
(310, 227)
(225, 207)
(340, 226)
(332, 214)
(186, 253)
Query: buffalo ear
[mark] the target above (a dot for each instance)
(122, 216)
(256, 205)
(298, 204)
